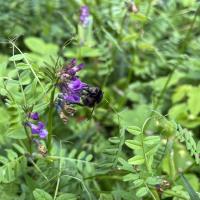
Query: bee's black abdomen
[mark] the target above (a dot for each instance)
(93, 96)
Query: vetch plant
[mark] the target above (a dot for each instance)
(57, 142)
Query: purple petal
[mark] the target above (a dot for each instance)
(40, 125)
(34, 128)
(84, 16)
(75, 69)
(73, 62)
(43, 133)
(73, 98)
(63, 87)
(76, 85)
(34, 116)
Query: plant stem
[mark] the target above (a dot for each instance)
(187, 37)
(59, 174)
(155, 106)
(29, 140)
(148, 8)
(142, 143)
(50, 120)
(153, 194)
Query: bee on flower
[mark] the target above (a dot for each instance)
(74, 92)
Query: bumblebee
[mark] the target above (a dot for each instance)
(92, 96)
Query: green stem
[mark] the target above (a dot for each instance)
(59, 174)
(50, 120)
(155, 106)
(29, 140)
(187, 37)
(142, 142)
(171, 163)
(154, 194)
(148, 8)
(122, 23)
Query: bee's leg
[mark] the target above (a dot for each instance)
(91, 113)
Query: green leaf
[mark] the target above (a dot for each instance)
(198, 147)
(134, 130)
(14, 167)
(151, 140)
(22, 66)
(194, 96)
(144, 46)
(112, 39)
(35, 44)
(104, 196)
(89, 157)
(141, 192)
(41, 195)
(39, 46)
(85, 52)
(138, 183)
(25, 77)
(133, 144)
(11, 154)
(128, 117)
(67, 196)
(130, 37)
(130, 177)
(16, 132)
(136, 160)
(19, 148)
(114, 140)
(153, 180)
(16, 57)
(139, 17)
(180, 93)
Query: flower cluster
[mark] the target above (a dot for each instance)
(70, 85)
(74, 91)
(38, 128)
(84, 16)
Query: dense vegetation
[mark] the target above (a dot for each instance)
(125, 125)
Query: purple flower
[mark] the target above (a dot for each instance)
(72, 67)
(75, 85)
(38, 129)
(72, 90)
(34, 116)
(70, 85)
(72, 98)
(72, 71)
(84, 16)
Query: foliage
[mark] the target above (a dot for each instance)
(141, 141)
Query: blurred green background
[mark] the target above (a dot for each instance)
(142, 60)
